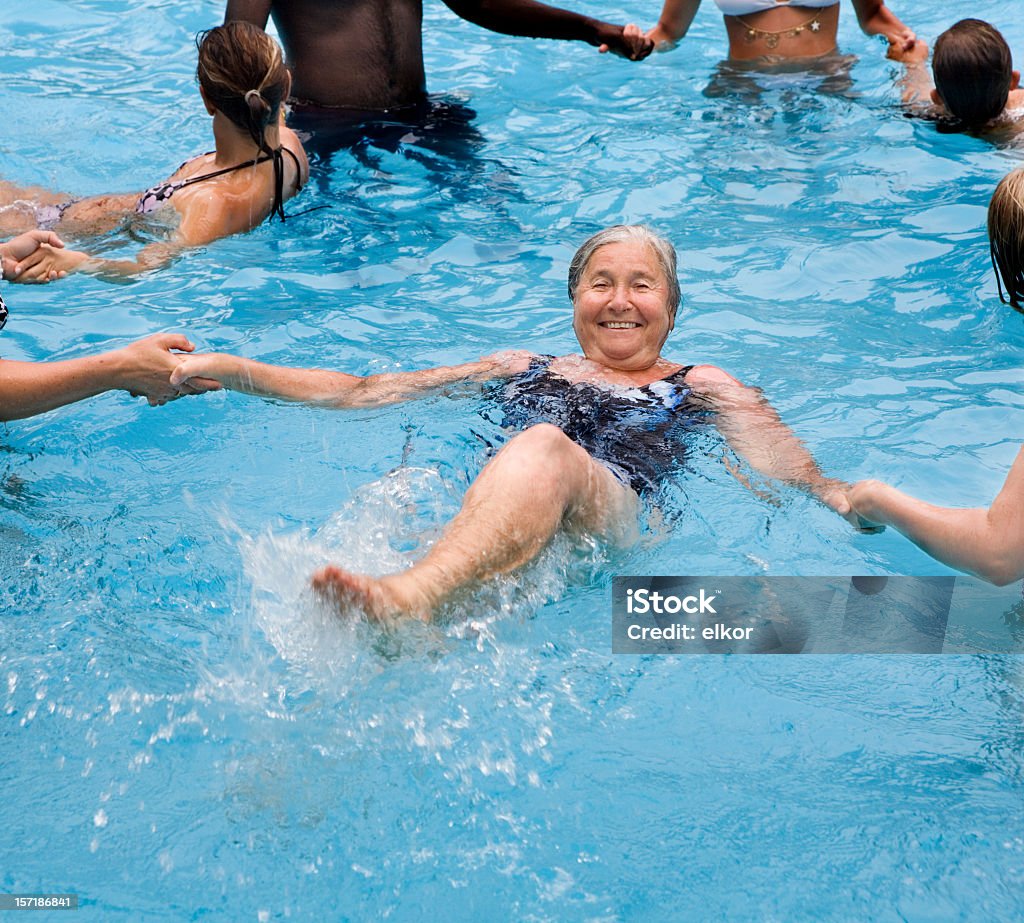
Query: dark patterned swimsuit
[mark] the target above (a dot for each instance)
(638, 432)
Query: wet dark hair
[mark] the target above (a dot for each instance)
(1006, 238)
(241, 70)
(973, 71)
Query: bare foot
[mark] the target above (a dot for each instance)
(380, 598)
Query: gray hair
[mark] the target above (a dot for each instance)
(628, 233)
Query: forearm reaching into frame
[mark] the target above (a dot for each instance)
(538, 20)
(986, 542)
(142, 369)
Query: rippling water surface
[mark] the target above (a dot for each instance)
(185, 733)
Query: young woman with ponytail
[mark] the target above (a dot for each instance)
(258, 165)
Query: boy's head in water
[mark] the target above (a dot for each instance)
(1006, 237)
(973, 72)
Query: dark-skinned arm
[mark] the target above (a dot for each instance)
(255, 11)
(537, 20)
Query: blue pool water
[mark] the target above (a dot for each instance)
(186, 735)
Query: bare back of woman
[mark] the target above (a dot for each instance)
(257, 165)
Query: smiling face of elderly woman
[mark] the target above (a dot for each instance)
(624, 290)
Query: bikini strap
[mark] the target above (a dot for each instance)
(181, 184)
(298, 168)
(278, 207)
(276, 155)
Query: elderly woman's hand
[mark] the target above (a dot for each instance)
(144, 368)
(867, 499)
(509, 362)
(205, 372)
(838, 496)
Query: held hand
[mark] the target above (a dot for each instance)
(626, 42)
(509, 362)
(902, 38)
(663, 40)
(203, 372)
(46, 263)
(145, 368)
(837, 497)
(885, 22)
(914, 51)
(17, 248)
(866, 499)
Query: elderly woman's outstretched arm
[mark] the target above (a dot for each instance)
(986, 542)
(337, 389)
(755, 432)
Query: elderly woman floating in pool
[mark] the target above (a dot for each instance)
(778, 29)
(597, 434)
(986, 542)
(257, 165)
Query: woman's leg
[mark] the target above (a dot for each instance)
(11, 193)
(536, 484)
(23, 208)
